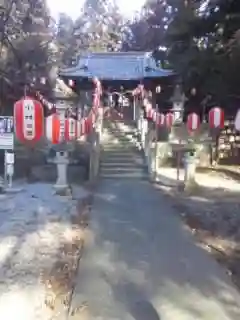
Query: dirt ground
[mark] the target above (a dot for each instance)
(213, 216)
(48, 233)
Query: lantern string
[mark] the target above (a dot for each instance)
(44, 101)
(91, 118)
(25, 91)
(140, 91)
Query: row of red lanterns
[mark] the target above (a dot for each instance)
(68, 129)
(29, 123)
(96, 96)
(215, 118)
(29, 120)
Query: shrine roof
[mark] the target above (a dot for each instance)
(116, 66)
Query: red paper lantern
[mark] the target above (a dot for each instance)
(78, 129)
(147, 105)
(84, 126)
(28, 120)
(92, 118)
(71, 83)
(154, 116)
(88, 125)
(160, 119)
(96, 96)
(96, 100)
(71, 130)
(169, 119)
(193, 122)
(141, 89)
(216, 118)
(150, 113)
(53, 129)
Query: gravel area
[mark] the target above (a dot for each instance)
(37, 232)
(212, 213)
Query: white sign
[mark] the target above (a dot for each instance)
(9, 170)
(237, 121)
(177, 111)
(9, 157)
(61, 109)
(6, 133)
(62, 126)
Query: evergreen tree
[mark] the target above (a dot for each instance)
(26, 55)
(98, 28)
(201, 38)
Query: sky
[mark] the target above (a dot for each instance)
(73, 7)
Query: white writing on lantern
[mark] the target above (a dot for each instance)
(72, 128)
(28, 119)
(62, 126)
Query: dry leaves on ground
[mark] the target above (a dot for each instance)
(60, 281)
(213, 216)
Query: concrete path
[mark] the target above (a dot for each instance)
(140, 263)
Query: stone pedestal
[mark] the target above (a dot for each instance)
(139, 121)
(9, 174)
(1, 185)
(164, 151)
(144, 131)
(62, 162)
(152, 162)
(190, 165)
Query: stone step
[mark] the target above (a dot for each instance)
(131, 146)
(122, 170)
(119, 140)
(120, 130)
(116, 148)
(121, 126)
(123, 132)
(125, 135)
(123, 152)
(128, 175)
(131, 150)
(122, 161)
(120, 144)
(129, 164)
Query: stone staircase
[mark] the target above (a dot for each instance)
(121, 156)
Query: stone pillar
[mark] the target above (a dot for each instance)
(94, 156)
(140, 121)
(190, 165)
(163, 151)
(148, 141)
(153, 160)
(61, 162)
(144, 131)
(95, 139)
(1, 185)
(149, 152)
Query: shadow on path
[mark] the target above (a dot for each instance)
(142, 263)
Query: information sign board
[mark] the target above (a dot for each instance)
(6, 133)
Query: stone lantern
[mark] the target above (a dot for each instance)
(64, 100)
(178, 100)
